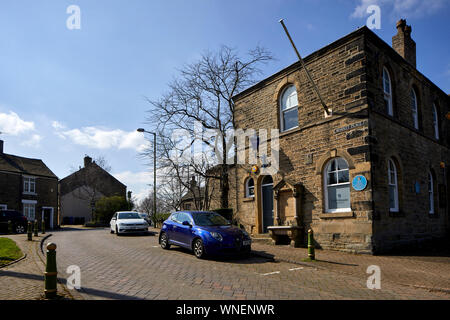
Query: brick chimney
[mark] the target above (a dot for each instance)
(87, 161)
(403, 43)
(1, 146)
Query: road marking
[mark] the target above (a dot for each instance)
(293, 269)
(269, 273)
(155, 246)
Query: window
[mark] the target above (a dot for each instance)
(414, 111)
(435, 122)
(387, 89)
(3, 207)
(430, 193)
(29, 211)
(249, 188)
(337, 186)
(182, 217)
(289, 108)
(29, 185)
(393, 186)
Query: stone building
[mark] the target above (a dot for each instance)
(28, 186)
(367, 178)
(80, 190)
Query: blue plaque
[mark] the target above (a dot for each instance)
(359, 183)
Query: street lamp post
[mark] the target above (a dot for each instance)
(154, 172)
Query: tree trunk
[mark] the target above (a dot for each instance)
(224, 186)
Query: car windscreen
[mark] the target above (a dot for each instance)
(209, 219)
(128, 215)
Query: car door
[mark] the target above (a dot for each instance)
(184, 232)
(169, 226)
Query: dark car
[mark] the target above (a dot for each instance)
(204, 233)
(19, 221)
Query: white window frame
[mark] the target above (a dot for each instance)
(435, 122)
(326, 185)
(29, 181)
(414, 109)
(388, 94)
(394, 184)
(3, 207)
(27, 204)
(430, 193)
(282, 112)
(247, 188)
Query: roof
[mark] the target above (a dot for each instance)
(364, 30)
(16, 164)
(198, 194)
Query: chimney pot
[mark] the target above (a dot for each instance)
(403, 43)
(87, 161)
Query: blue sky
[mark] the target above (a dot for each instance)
(66, 93)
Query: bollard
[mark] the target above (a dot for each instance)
(311, 253)
(10, 227)
(36, 228)
(51, 273)
(43, 226)
(29, 232)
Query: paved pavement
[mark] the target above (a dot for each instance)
(135, 267)
(24, 280)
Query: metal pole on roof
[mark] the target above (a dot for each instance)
(304, 67)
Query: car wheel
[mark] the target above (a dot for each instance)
(164, 241)
(111, 230)
(117, 232)
(199, 248)
(20, 228)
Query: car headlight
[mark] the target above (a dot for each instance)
(216, 236)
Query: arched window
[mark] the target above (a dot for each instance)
(414, 111)
(393, 186)
(387, 89)
(289, 108)
(337, 186)
(249, 188)
(430, 193)
(435, 122)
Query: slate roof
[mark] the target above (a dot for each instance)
(33, 167)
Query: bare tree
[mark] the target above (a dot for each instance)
(203, 93)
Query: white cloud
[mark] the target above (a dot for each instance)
(400, 8)
(128, 177)
(100, 138)
(11, 123)
(33, 141)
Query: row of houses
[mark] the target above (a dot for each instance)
(29, 186)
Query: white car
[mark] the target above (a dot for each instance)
(127, 222)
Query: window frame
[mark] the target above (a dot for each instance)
(435, 118)
(26, 210)
(282, 112)
(247, 188)
(326, 186)
(395, 184)
(431, 204)
(388, 95)
(414, 108)
(29, 181)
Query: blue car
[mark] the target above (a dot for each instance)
(204, 233)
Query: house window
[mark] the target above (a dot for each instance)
(249, 188)
(430, 193)
(3, 207)
(29, 185)
(393, 186)
(414, 111)
(435, 122)
(289, 108)
(337, 186)
(29, 211)
(387, 89)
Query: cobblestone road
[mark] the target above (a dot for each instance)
(135, 267)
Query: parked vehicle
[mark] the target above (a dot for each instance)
(127, 222)
(19, 221)
(204, 233)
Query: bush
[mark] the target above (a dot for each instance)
(107, 206)
(159, 218)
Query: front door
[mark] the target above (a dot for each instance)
(47, 217)
(267, 203)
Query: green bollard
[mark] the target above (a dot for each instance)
(10, 227)
(36, 228)
(43, 226)
(51, 273)
(29, 232)
(311, 253)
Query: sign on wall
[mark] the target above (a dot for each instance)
(359, 183)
